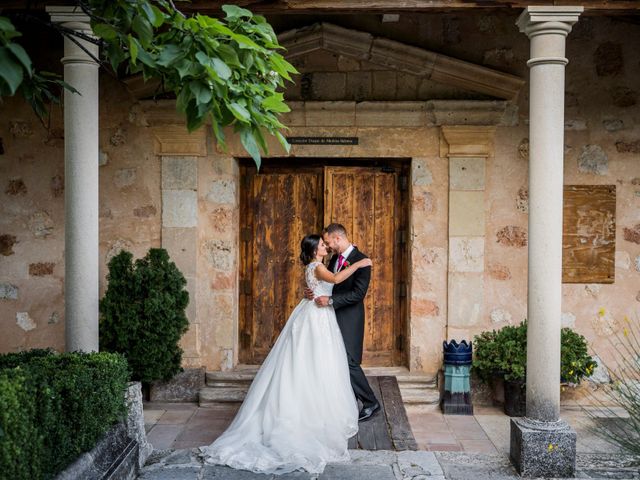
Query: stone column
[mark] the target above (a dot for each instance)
(81, 183)
(543, 445)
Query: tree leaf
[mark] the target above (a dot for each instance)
(10, 70)
(169, 54)
(201, 92)
(283, 142)
(275, 103)
(21, 55)
(239, 112)
(233, 11)
(133, 49)
(221, 68)
(142, 27)
(105, 31)
(250, 145)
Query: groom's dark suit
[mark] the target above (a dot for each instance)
(348, 298)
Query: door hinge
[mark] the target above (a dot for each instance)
(401, 237)
(400, 342)
(402, 289)
(245, 234)
(403, 183)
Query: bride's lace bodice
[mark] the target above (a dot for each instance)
(319, 287)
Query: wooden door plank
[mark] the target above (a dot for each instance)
(398, 422)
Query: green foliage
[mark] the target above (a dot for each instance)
(227, 72)
(224, 71)
(17, 74)
(143, 313)
(622, 430)
(57, 407)
(504, 353)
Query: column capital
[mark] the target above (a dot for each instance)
(537, 20)
(70, 16)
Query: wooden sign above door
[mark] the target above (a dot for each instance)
(323, 140)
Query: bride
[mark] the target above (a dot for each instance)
(300, 410)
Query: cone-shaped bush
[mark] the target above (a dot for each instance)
(143, 314)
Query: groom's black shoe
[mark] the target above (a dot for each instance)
(367, 412)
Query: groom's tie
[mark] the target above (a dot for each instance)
(340, 262)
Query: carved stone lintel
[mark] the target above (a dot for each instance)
(466, 141)
(176, 140)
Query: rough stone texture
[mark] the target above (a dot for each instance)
(498, 271)
(613, 124)
(179, 173)
(6, 244)
(568, 320)
(53, 318)
(623, 260)
(103, 158)
(604, 323)
(498, 57)
(632, 234)
(135, 421)
(522, 200)
(466, 254)
(16, 187)
(222, 191)
(608, 59)
(179, 208)
(543, 449)
(125, 177)
(636, 263)
(499, 315)
(219, 254)
(25, 322)
(575, 124)
(116, 247)
(57, 186)
(20, 129)
(183, 387)
(628, 147)
(8, 291)
(623, 97)
(512, 236)
(593, 159)
(40, 224)
(118, 137)
(41, 269)
(523, 149)
(425, 308)
(145, 212)
(115, 456)
(600, 373)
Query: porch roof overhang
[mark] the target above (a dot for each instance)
(400, 57)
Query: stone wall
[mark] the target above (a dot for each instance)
(602, 137)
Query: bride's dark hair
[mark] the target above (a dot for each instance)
(309, 248)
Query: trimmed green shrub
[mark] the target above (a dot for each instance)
(66, 402)
(21, 443)
(143, 314)
(503, 353)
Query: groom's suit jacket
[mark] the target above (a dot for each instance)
(348, 298)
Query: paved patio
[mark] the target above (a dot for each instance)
(450, 447)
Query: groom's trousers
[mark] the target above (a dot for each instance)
(359, 383)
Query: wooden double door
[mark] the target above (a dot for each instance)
(280, 205)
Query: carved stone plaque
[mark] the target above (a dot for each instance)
(589, 234)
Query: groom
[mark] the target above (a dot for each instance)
(347, 300)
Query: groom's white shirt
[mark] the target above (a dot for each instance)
(345, 255)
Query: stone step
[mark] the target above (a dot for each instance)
(232, 386)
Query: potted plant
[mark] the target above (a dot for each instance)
(502, 354)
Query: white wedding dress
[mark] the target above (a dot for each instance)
(300, 410)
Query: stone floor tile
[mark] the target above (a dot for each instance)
(175, 417)
(151, 416)
(170, 405)
(163, 436)
(220, 472)
(478, 446)
(435, 447)
(179, 473)
(357, 472)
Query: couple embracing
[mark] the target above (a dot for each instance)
(302, 406)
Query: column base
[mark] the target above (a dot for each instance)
(543, 449)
